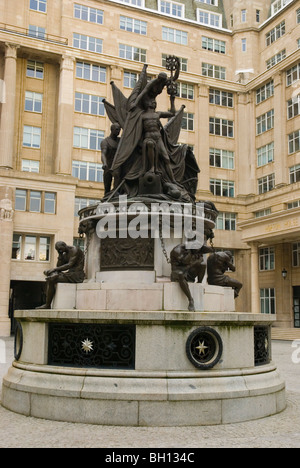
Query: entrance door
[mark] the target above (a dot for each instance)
(296, 306)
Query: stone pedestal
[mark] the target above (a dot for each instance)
(140, 368)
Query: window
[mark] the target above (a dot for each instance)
(294, 142)
(87, 171)
(275, 33)
(221, 127)
(209, 2)
(267, 259)
(29, 165)
(35, 69)
(209, 19)
(296, 254)
(171, 8)
(33, 102)
(293, 107)
(261, 213)
(93, 44)
(87, 138)
(294, 204)
(50, 203)
(38, 5)
(244, 45)
(93, 15)
(79, 242)
(293, 74)
(265, 154)
(214, 71)
(265, 92)
(130, 79)
(81, 203)
(265, 122)
(266, 184)
(213, 45)
(295, 174)
(37, 31)
(89, 104)
(278, 5)
(257, 16)
(223, 188)
(133, 25)
(35, 201)
(32, 136)
(226, 221)
(267, 301)
(243, 16)
(183, 62)
(20, 200)
(276, 59)
(91, 72)
(174, 35)
(221, 158)
(31, 248)
(220, 98)
(139, 3)
(16, 247)
(298, 16)
(185, 91)
(187, 122)
(132, 53)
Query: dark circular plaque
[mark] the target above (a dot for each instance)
(204, 348)
(18, 343)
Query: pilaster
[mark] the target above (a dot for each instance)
(6, 236)
(7, 122)
(63, 162)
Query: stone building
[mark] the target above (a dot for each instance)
(240, 83)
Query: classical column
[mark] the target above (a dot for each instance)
(63, 161)
(7, 122)
(6, 237)
(255, 296)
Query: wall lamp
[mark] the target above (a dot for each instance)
(284, 273)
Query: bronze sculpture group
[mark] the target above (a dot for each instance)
(147, 161)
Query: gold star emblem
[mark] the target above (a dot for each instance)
(87, 345)
(201, 348)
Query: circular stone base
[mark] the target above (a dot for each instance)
(145, 368)
(129, 398)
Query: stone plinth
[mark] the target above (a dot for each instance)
(162, 386)
(147, 296)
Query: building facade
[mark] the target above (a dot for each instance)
(240, 83)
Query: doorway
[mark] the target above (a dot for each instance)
(296, 306)
(25, 295)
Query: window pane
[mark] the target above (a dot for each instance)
(16, 247)
(30, 248)
(20, 201)
(49, 203)
(44, 250)
(35, 201)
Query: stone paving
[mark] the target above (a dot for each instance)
(279, 431)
